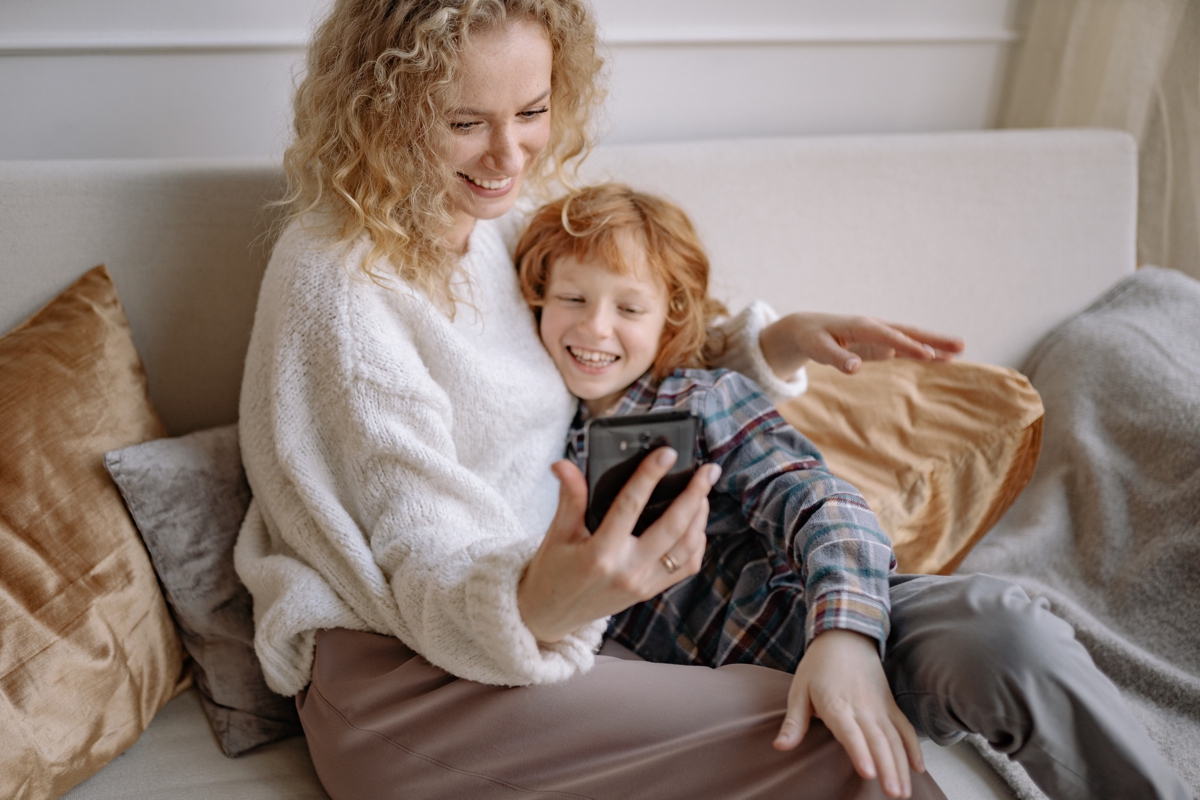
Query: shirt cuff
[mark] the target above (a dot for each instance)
(743, 353)
(848, 611)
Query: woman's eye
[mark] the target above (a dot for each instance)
(534, 112)
(462, 127)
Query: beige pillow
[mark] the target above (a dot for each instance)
(939, 450)
(88, 652)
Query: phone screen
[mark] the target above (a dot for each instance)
(617, 445)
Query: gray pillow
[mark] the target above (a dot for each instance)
(188, 496)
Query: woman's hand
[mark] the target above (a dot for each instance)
(845, 342)
(577, 577)
(841, 682)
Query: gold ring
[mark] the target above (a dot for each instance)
(669, 562)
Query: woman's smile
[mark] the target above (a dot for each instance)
(496, 187)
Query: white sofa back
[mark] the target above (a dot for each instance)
(996, 236)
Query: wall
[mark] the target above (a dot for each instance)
(147, 78)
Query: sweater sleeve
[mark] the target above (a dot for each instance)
(744, 354)
(448, 543)
(366, 515)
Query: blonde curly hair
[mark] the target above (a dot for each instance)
(371, 121)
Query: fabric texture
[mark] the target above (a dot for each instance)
(976, 653)
(1109, 528)
(88, 652)
(384, 723)
(399, 461)
(939, 450)
(965, 653)
(188, 496)
(792, 550)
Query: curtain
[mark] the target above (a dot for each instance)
(1129, 64)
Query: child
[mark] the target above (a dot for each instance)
(619, 282)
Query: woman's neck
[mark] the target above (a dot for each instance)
(459, 234)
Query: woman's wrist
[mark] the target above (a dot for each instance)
(528, 608)
(780, 349)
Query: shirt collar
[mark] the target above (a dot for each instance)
(637, 399)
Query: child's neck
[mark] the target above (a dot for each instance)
(602, 405)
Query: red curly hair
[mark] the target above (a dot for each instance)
(589, 225)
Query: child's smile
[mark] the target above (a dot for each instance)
(592, 359)
(602, 327)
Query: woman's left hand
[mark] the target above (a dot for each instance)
(846, 341)
(841, 682)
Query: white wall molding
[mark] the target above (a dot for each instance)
(766, 35)
(147, 78)
(162, 42)
(154, 43)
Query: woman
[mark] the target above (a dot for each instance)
(399, 418)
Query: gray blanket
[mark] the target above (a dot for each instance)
(1109, 528)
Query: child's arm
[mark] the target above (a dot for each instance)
(841, 681)
(785, 492)
(843, 557)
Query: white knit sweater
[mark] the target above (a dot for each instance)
(400, 462)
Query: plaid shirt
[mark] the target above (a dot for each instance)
(792, 550)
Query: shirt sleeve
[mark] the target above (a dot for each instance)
(743, 353)
(787, 494)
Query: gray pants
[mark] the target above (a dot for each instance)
(965, 654)
(976, 655)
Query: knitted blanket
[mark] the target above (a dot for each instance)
(1109, 528)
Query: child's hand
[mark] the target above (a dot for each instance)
(846, 341)
(841, 682)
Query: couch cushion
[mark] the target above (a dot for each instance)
(188, 496)
(177, 759)
(88, 652)
(939, 450)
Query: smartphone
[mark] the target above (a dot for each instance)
(617, 445)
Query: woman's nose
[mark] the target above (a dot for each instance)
(504, 151)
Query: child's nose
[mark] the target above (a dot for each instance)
(598, 323)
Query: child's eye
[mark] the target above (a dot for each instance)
(569, 299)
(633, 310)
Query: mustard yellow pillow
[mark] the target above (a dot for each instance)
(88, 652)
(939, 450)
